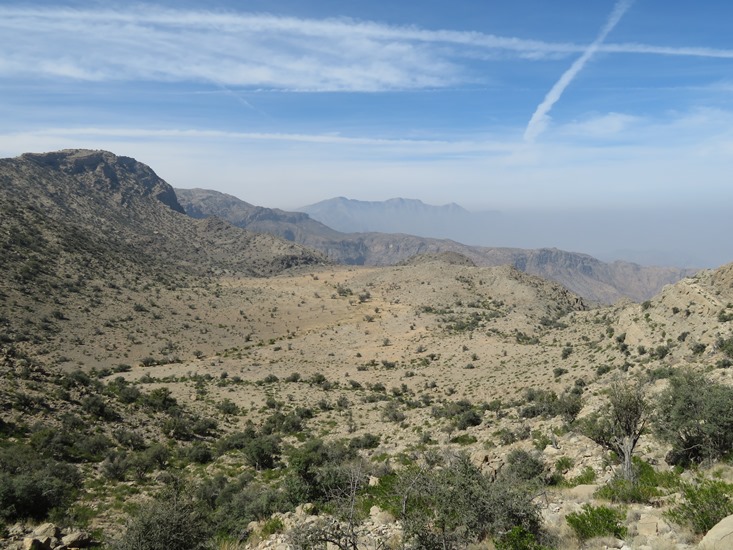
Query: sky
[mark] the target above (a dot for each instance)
(618, 107)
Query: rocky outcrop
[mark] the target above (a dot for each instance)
(46, 536)
(720, 537)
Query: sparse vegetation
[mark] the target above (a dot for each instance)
(150, 382)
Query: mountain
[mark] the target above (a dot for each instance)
(589, 277)
(396, 215)
(74, 204)
(88, 239)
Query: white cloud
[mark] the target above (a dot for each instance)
(684, 161)
(258, 50)
(610, 125)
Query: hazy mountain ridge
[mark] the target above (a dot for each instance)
(591, 278)
(397, 215)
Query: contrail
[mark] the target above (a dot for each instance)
(540, 118)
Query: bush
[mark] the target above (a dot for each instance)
(262, 452)
(597, 521)
(366, 441)
(523, 466)
(97, 407)
(456, 505)
(704, 504)
(227, 406)
(392, 413)
(173, 521)
(200, 453)
(643, 489)
(518, 539)
(695, 415)
(31, 487)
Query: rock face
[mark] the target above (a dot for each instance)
(104, 172)
(719, 537)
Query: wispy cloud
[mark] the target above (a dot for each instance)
(150, 43)
(540, 118)
(427, 148)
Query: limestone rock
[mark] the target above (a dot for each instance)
(46, 530)
(720, 537)
(76, 539)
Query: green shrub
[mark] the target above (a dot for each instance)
(644, 488)
(463, 439)
(696, 417)
(523, 466)
(704, 504)
(31, 486)
(174, 520)
(97, 407)
(392, 413)
(227, 406)
(455, 505)
(272, 526)
(518, 539)
(597, 521)
(586, 477)
(366, 441)
(563, 464)
(200, 453)
(262, 452)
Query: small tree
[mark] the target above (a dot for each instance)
(695, 415)
(622, 424)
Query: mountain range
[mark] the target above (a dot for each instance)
(589, 277)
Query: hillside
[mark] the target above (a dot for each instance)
(154, 397)
(98, 233)
(594, 280)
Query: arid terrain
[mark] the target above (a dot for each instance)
(144, 352)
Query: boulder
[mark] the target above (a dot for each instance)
(30, 543)
(77, 539)
(648, 526)
(46, 530)
(720, 537)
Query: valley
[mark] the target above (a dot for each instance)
(162, 367)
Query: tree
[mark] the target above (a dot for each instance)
(343, 486)
(621, 425)
(695, 415)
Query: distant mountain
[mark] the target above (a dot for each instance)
(587, 276)
(396, 215)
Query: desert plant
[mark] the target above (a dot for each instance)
(621, 425)
(174, 520)
(523, 466)
(31, 486)
(455, 505)
(597, 521)
(704, 503)
(695, 416)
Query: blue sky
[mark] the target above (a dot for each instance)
(523, 105)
